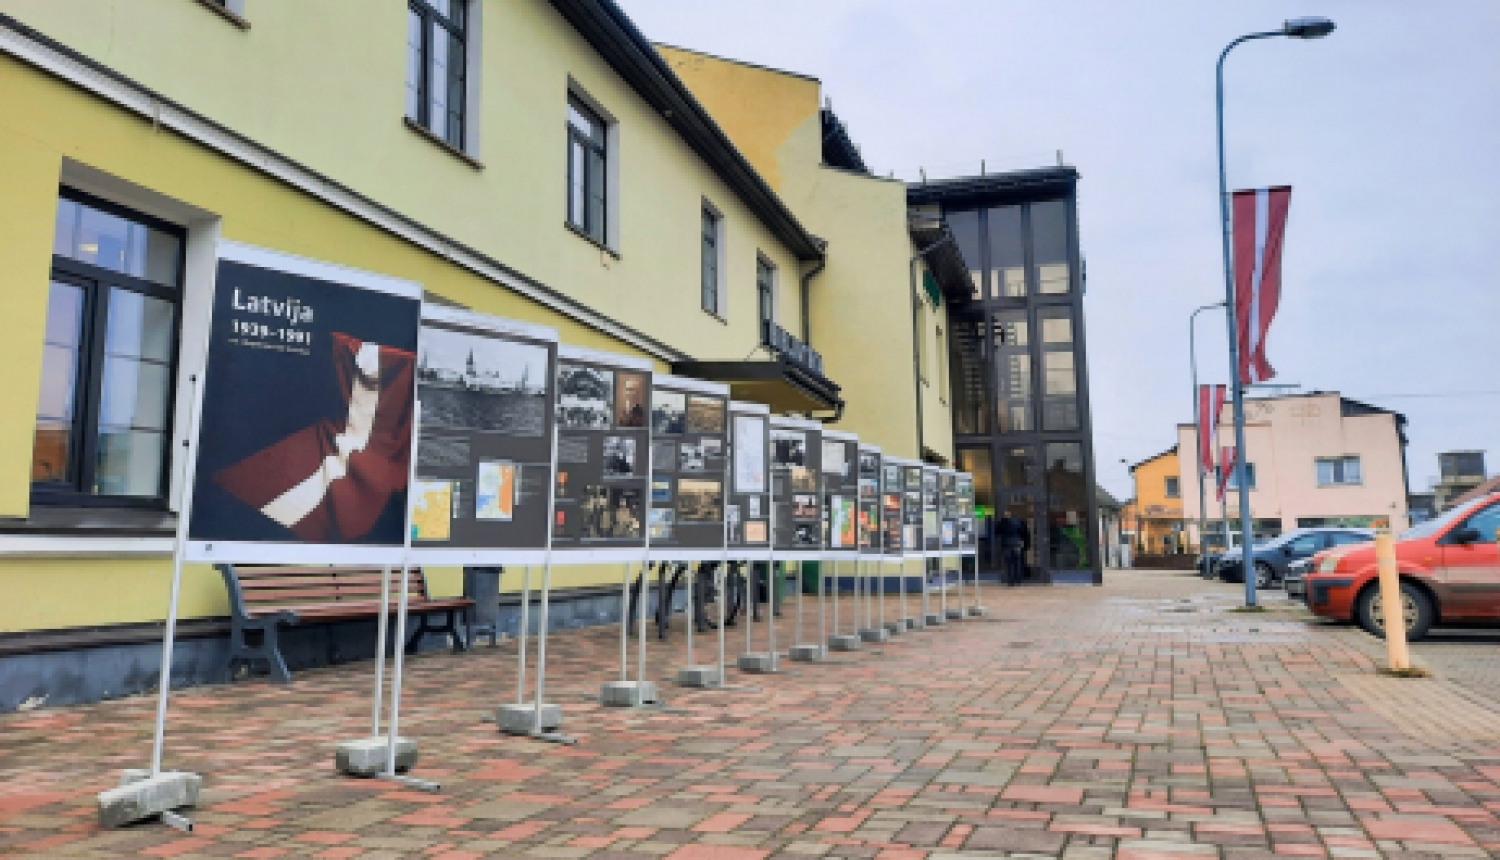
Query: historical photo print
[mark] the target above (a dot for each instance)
(668, 413)
(705, 415)
(749, 454)
(664, 456)
(732, 523)
(482, 383)
(697, 455)
(619, 456)
(788, 448)
(754, 507)
(804, 506)
(833, 458)
(806, 535)
(442, 452)
(661, 523)
(699, 500)
(804, 480)
(661, 489)
(585, 397)
(610, 512)
(755, 531)
(630, 399)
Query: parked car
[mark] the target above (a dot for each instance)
(1207, 561)
(1272, 557)
(1449, 566)
(1296, 574)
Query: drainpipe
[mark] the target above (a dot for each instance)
(806, 303)
(916, 331)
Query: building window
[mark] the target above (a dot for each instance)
(103, 419)
(1233, 482)
(965, 227)
(765, 291)
(1059, 370)
(1334, 471)
(715, 297)
(1007, 247)
(1049, 247)
(436, 45)
(971, 383)
(1012, 349)
(1173, 487)
(587, 170)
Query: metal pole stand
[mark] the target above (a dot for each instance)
(516, 718)
(843, 641)
(953, 613)
(872, 632)
(758, 662)
(693, 675)
(640, 692)
(933, 619)
(912, 622)
(978, 610)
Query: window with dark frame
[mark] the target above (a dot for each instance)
(104, 414)
(765, 289)
(436, 44)
(1173, 488)
(1233, 482)
(587, 160)
(712, 289)
(1338, 471)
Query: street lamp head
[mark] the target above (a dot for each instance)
(1308, 28)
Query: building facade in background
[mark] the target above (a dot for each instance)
(1156, 524)
(1459, 472)
(1313, 460)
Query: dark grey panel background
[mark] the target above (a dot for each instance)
(761, 502)
(791, 532)
(948, 510)
(835, 485)
(892, 505)
(911, 508)
(581, 466)
(932, 532)
(461, 428)
(967, 527)
(697, 534)
(870, 527)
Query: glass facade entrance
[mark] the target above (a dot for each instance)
(1019, 385)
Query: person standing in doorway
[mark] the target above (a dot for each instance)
(1014, 538)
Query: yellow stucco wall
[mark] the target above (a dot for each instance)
(324, 83)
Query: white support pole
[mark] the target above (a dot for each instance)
(400, 644)
(723, 595)
(625, 622)
(525, 633)
(640, 670)
(542, 621)
(692, 582)
(771, 574)
(380, 640)
(169, 635)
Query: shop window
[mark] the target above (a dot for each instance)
(588, 170)
(715, 297)
(436, 67)
(1334, 471)
(104, 411)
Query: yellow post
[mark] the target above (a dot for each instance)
(1391, 605)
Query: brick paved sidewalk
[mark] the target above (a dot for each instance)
(1139, 720)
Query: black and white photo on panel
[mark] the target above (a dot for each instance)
(664, 455)
(475, 382)
(585, 397)
(619, 456)
(705, 415)
(788, 448)
(609, 512)
(701, 455)
(804, 505)
(668, 412)
(700, 500)
(732, 523)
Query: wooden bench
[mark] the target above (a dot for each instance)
(261, 599)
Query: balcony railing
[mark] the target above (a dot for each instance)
(790, 348)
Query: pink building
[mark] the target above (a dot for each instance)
(1315, 459)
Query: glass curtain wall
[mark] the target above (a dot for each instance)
(1019, 385)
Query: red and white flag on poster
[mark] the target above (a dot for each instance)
(1259, 219)
(331, 481)
(1210, 406)
(1226, 468)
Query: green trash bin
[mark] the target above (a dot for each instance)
(810, 575)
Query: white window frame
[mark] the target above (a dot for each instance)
(611, 164)
(721, 280)
(762, 260)
(1339, 471)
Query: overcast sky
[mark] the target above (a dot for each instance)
(1388, 130)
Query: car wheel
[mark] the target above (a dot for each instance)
(1264, 576)
(1416, 609)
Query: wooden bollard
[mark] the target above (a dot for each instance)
(1391, 605)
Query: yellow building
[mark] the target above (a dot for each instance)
(529, 159)
(1156, 510)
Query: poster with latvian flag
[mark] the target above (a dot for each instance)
(305, 416)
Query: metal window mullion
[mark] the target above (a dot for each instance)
(90, 407)
(424, 59)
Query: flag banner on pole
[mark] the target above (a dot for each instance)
(1259, 219)
(1226, 468)
(1210, 406)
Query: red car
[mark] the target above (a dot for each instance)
(1450, 573)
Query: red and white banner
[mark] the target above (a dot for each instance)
(1259, 219)
(1226, 468)
(1210, 407)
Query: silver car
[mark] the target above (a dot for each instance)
(1293, 582)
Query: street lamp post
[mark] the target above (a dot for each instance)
(1197, 424)
(1297, 28)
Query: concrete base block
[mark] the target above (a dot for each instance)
(628, 694)
(140, 796)
(875, 634)
(519, 719)
(954, 614)
(807, 653)
(843, 643)
(894, 628)
(936, 618)
(978, 611)
(366, 756)
(760, 663)
(699, 676)
(914, 623)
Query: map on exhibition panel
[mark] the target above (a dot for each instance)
(749, 506)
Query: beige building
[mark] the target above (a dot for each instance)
(1315, 459)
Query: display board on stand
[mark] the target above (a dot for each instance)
(893, 507)
(689, 433)
(797, 504)
(484, 448)
(603, 480)
(305, 423)
(968, 531)
(840, 479)
(948, 511)
(870, 529)
(749, 506)
(932, 536)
